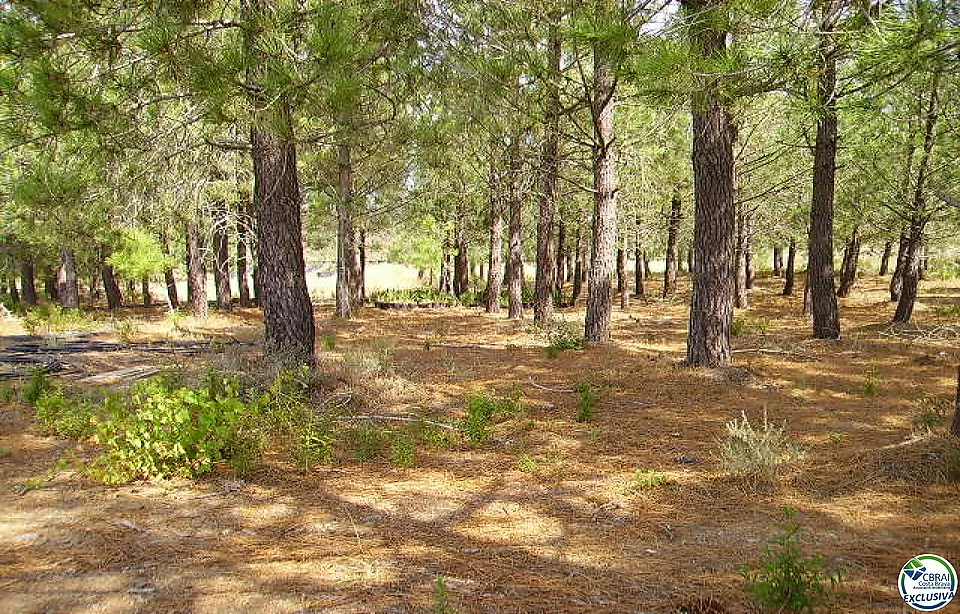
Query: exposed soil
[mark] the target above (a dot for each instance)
(561, 531)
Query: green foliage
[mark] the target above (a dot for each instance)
(139, 255)
(403, 451)
(125, 329)
(871, 383)
(328, 341)
(560, 336)
(67, 417)
(37, 385)
(756, 452)
(482, 409)
(933, 411)
(952, 465)
(366, 440)
(947, 311)
(646, 480)
(587, 399)
(164, 428)
(7, 393)
(5, 451)
(441, 597)
(743, 325)
(56, 319)
(315, 441)
(423, 296)
(525, 463)
(786, 581)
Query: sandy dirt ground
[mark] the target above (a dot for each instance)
(545, 517)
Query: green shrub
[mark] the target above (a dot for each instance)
(366, 440)
(328, 341)
(441, 597)
(403, 451)
(560, 335)
(421, 296)
(482, 408)
(59, 415)
(54, 319)
(756, 452)
(315, 441)
(786, 581)
(645, 480)
(587, 399)
(125, 329)
(871, 383)
(933, 411)
(164, 429)
(36, 386)
(7, 393)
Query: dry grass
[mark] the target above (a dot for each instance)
(565, 532)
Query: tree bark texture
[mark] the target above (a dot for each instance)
(789, 274)
(673, 237)
(196, 270)
(221, 256)
(67, 286)
(545, 281)
(28, 287)
(495, 259)
(515, 261)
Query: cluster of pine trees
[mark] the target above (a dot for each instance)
(137, 138)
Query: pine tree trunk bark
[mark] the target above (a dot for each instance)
(145, 292)
(711, 308)
(221, 257)
(749, 272)
(362, 265)
(173, 301)
(790, 272)
(67, 287)
(515, 261)
(242, 272)
(622, 279)
(741, 298)
(896, 280)
(690, 260)
(50, 283)
(910, 274)
(638, 276)
(346, 234)
(461, 261)
(495, 258)
(545, 279)
(110, 286)
(196, 270)
(777, 261)
(673, 236)
(885, 258)
(562, 256)
(14, 292)
(578, 267)
(823, 297)
(603, 253)
(851, 258)
(28, 288)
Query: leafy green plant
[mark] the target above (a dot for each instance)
(587, 399)
(67, 417)
(7, 393)
(422, 296)
(5, 451)
(54, 318)
(525, 463)
(560, 336)
(646, 480)
(482, 408)
(836, 437)
(36, 386)
(870, 383)
(125, 329)
(315, 442)
(403, 451)
(756, 452)
(366, 440)
(786, 581)
(933, 411)
(328, 341)
(164, 429)
(441, 597)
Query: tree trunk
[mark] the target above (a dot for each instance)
(561, 259)
(145, 291)
(346, 233)
(848, 270)
(14, 293)
(690, 260)
(28, 285)
(173, 301)
(741, 299)
(495, 259)
(461, 261)
(545, 280)
(896, 280)
(955, 425)
(196, 270)
(638, 289)
(67, 287)
(885, 258)
(578, 267)
(110, 286)
(749, 273)
(790, 273)
(912, 266)
(50, 283)
(603, 253)
(242, 286)
(221, 257)
(777, 261)
(622, 279)
(823, 297)
(711, 308)
(673, 236)
(515, 262)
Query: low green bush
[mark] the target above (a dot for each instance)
(482, 409)
(424, 295)
(756, 452)
(587, 399)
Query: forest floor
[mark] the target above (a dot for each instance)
(548, 515)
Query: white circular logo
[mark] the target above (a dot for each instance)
(927, 582)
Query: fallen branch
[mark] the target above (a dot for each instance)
(773, 351)
(536, 385)
(398, 419)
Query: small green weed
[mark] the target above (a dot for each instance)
(315, 440)
(932, 413)
(836, 437)
(328, 341)
(56, 319)
(125, 329)
(525, 463)
(482, 408)
(58, 414)
(36, 386)
(871, 382)
(743, 325)
(587, 399)
(367, 441)
(7, 394)
(560, 336)
(5, 451)
(441, 597)
(403, 451)
(646, 480)
(786, 581)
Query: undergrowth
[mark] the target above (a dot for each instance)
(756, 452)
